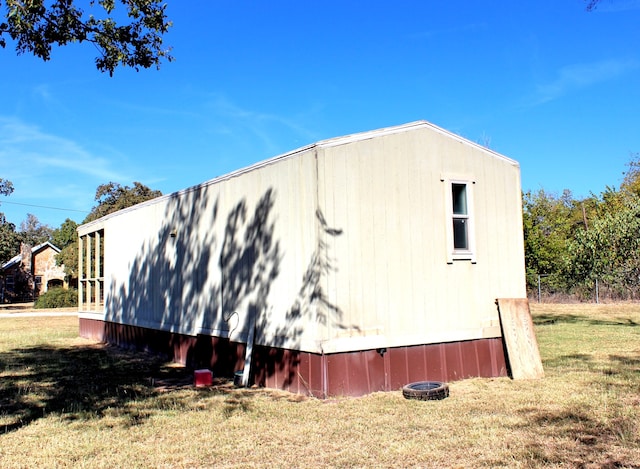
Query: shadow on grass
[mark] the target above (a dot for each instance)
(630, 366)
(78, 383)
(580, 437)
(616, 372)
(572, 362)
(549, 319)
(87, 382)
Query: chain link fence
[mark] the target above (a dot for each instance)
(546, 290)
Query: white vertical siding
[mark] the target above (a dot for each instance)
(398, 255)
(178, 283)
(340, 246)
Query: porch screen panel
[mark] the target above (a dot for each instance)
(91, 271)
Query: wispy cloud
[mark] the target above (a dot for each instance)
(579, 76)
(43, 92)
(263, 126)
(33, 151)
(49, 170)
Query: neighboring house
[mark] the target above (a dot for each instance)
(30, 273)
(352, 265)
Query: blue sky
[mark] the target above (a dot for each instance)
(543, 82)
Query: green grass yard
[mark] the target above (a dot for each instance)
(69, 402)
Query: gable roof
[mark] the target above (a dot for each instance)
(34, 250)
(320, 144)
(41, 246)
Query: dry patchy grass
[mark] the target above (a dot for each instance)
(66, 402)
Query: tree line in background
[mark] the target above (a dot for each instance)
(110, 197)
(581, 248)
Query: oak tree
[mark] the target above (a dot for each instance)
(66, 238)
(547, 225)
(6, 187)
(112, 197)
(609, 251)
(65, 235)
(9, 241)
(125, 32)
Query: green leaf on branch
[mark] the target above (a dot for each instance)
(36, 26)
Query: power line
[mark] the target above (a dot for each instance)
(44, 206)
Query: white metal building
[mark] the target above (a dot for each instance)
(352, 265)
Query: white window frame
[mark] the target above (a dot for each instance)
(454, 254)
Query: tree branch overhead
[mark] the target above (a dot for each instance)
(134, 39)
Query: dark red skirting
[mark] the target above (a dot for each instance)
(338, 374)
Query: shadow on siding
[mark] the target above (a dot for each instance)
(180, 283)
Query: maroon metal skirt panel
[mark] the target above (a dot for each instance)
(340, 374)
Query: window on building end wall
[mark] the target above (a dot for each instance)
(460, 226)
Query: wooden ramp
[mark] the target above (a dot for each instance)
(523, 355)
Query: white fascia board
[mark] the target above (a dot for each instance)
(94, 225)
(14, 260)
(42, 245)
(407, 127)
(482, 148)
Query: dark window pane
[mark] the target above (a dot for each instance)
(459, 196)
(460, 238)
